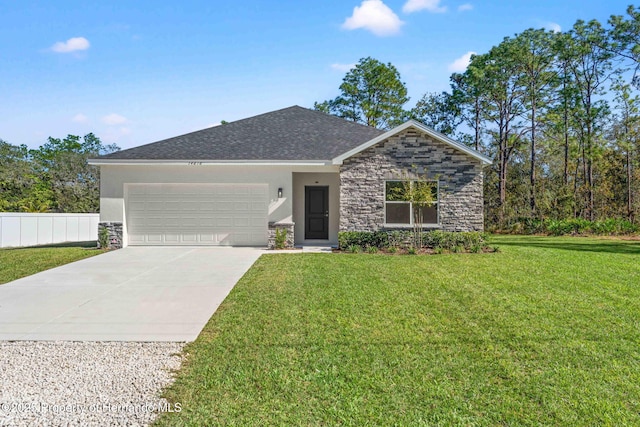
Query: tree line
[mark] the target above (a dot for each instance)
(557, 111)
(53, 178)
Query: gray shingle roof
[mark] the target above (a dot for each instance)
(293, 133)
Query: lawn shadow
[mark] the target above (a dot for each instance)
(89, 244)
(628, 247)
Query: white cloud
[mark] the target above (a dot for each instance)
(375, 16)
(552, 26)
(460, 64)
(71, 45)
(417, 5)
(80, 118)
(114, 135)
(465, 7)
(114, 119)
(342, 67)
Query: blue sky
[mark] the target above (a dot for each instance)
(134, 72)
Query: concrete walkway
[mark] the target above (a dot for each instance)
(133, 294)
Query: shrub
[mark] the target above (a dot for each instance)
(281, 238)
(364, 239)
(103, 238)
(446, 240)
(398, 238)
(449, 240)
(393, 249)
(403, 239)
(412, 251)
(561, 227)
(372, 250)
(354, 249)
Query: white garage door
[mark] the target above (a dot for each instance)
(197, 214)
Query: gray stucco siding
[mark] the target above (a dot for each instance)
(459, 177)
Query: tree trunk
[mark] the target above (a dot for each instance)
(477, 117)
(629, 187)
(532, 177)
(566, 135)
(590, 163)
(584, 202)
(504, 133)
(575, 189)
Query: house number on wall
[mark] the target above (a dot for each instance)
(194, 163)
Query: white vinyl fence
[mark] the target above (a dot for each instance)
(29, 229)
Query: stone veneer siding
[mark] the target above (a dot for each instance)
(115, 234)
(362, 178)
(271, 237)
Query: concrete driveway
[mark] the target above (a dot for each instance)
(133, 294)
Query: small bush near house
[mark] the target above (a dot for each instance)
(400, 240)
(281, 238)
(103, 238)
(364, 239)
(449, 240)
(354, 249)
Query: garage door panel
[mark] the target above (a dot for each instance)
(189, 238)
(224, 222)
(256, 223)
(207, 237)
(197, 214)
(155, 222)
(241, 206)
(136, 239)
(241, 222)
(225, 206)
(153, 238)
(243, 190)
(187, 222)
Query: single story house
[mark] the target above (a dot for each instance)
(305, 171)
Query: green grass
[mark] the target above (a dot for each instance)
(20, 262)
(545, 332)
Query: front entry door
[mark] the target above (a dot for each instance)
(316, 213)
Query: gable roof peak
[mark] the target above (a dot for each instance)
(421, 127)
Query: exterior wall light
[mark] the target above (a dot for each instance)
(280, 193)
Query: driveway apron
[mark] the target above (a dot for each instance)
(132, 294)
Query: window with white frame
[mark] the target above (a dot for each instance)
(400, 212)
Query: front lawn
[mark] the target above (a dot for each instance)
(20, 262)
(545, 332)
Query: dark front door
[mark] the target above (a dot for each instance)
(316, 212)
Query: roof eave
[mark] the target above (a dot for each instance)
(200, 162)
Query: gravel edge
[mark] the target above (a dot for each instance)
(85, 383)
